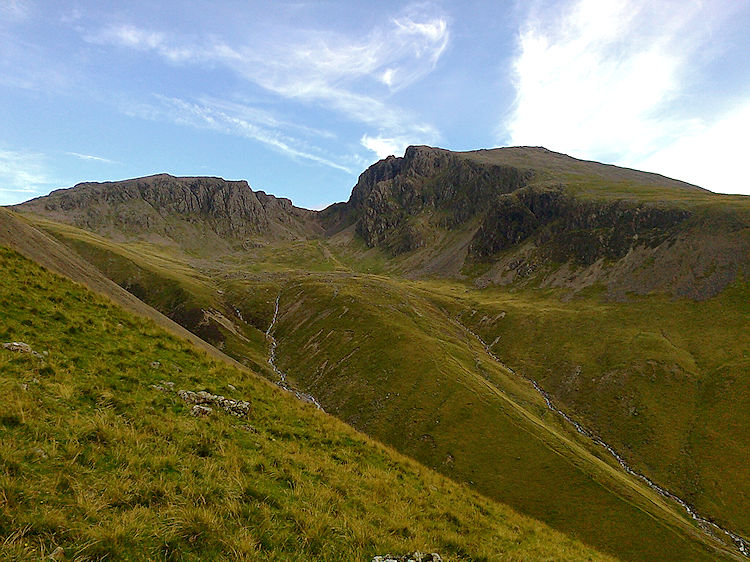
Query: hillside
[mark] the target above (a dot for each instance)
(520, 216)
(463, 308)
(101, 458)
(531, 217)
(198, 214)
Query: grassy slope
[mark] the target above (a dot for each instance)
(664, 381)
(247, 285)
(165, 279)
(95, 460)
(385, 359)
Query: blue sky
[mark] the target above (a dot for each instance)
(300, 97)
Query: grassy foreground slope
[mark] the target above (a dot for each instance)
(96, 460)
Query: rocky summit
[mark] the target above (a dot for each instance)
(522, 216)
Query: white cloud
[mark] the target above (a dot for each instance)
(350, 75)
(22, 175)
(230, 118)
(92, 158)
(605, 79)
(592, 82)
(713, 155)
(385, 147)
(163, 44)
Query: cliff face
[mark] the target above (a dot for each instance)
(175, 208)
(522, 215)
(426, 180)
(572, 229)
(530, 216)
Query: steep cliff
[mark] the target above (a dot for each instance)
(531, 216)
(194, 212)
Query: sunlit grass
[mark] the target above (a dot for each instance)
(95, 460)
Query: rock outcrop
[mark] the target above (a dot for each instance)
(21, 347)
(413, 557)
(239, 408)
(176, 208)
(426, 180)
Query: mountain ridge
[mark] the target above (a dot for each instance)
(517, 215)
(370, 293)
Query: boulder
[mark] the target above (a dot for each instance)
(201, 411)
(18, 346)
(413, 557)
(239, 408)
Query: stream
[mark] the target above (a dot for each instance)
(282, 382)
(708, 526)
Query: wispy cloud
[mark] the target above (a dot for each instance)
(605, 79)
(386, 146)
(353, 76)
(92, 158)
(229, 118)
(22, 174)
(13, 11)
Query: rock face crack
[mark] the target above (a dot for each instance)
(282, 382)
(708, 526)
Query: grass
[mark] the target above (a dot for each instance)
(377, 350)
(382, 355)
(662, 380)
(95, 460)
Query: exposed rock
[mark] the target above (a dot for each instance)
(393, 191)
(414, 557)
(18, 346)
(201, 411)
(21, 347)
(177, 208)
(239, 408)
(155, 365)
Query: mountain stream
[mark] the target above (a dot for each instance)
(282, 382)
(706, 525)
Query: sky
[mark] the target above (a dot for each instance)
(300, 97)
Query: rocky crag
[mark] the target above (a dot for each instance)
(524, 216)
(191, 211)
(533, 217)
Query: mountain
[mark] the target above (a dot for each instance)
(499, 316)
(521, 216)
(196, 213)
(531, 216)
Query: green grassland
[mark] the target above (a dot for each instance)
(95, 460)
(383, 354)
(665, 381)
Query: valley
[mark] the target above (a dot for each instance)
(566, 338)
